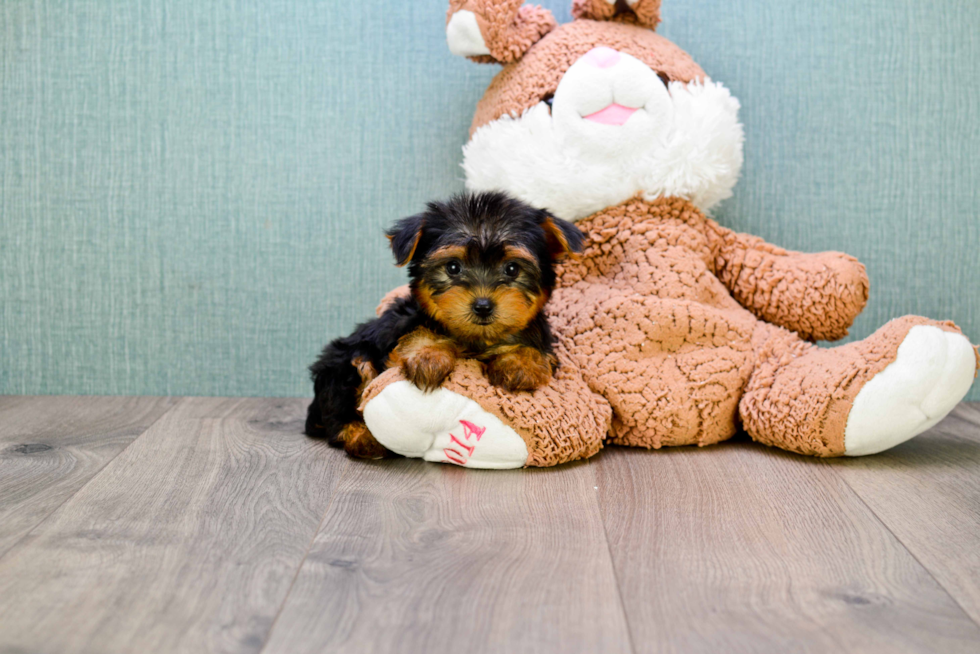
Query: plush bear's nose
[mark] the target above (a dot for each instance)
(602, 57)
(483, 307)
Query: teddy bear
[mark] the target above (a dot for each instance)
(670, 328)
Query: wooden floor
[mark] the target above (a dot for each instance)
(212, 525)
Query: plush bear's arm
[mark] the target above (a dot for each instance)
(391, 297)
(815, 295)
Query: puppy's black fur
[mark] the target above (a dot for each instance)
(336, 380)
(481, 268)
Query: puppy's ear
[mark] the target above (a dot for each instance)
(564, 238)
(405, 237)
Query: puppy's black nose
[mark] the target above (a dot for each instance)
(483, 307)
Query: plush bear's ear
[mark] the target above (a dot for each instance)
(405, 237)
(495, 31)
(564, 238)
(641, 12)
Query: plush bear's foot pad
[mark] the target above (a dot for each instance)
(931, 374)
(442, 426)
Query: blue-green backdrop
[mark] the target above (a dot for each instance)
(193, 193)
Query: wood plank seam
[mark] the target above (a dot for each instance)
(612, 561)
(299, 568)
(88, 481)
(416, 557)
(212, 506)
(775, 546)
(881, 521)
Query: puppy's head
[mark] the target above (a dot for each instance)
(482, 265)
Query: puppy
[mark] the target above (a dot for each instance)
(481, 269)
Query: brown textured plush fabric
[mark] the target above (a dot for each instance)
(688, 330)
(391, 296)
(657, 332)
(800, 395)
(817, 295)
(670, 329)
(560, 422)
(508, 27)
(685, 327)
(525, 83)
(643, 12)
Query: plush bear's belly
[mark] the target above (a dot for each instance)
(672, 369)
(655, 332)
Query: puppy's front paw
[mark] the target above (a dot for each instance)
(424, 358)
(428, 367)
(523, 369)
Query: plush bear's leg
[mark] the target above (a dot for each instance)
(470, 423)
(859, 398)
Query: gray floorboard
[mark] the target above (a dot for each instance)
(741, 548)
(927, 492)
(187, 541)
(213, 525)
(51, 446)
(414, 557)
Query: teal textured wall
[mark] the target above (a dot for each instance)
(192, 194)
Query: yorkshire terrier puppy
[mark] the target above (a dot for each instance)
(482, 268)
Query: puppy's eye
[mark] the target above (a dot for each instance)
(454, 268)
(511, 269)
